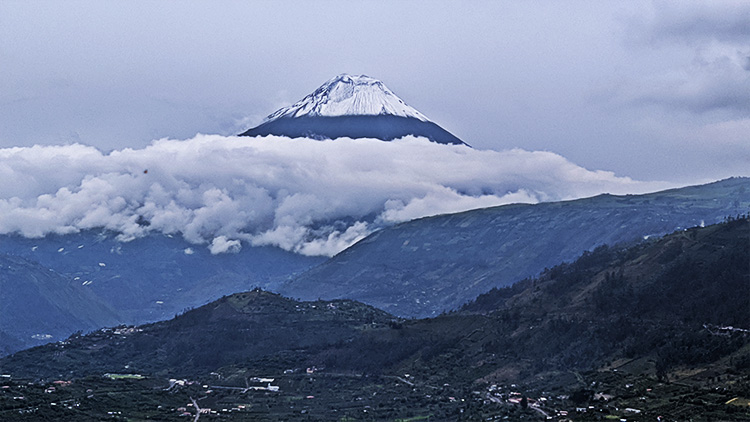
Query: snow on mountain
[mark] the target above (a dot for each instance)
(349, 95)
(350, 106)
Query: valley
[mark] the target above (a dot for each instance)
(621, 333)
(351, 397)
(219, 211)
(401, 269)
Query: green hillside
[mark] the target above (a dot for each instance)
(660, 327)
(424, 267)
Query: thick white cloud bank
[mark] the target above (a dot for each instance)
(307, 196)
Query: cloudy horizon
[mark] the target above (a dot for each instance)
(302, 195)
(652, 90)
(558, 100)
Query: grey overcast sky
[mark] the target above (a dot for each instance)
(648, 89)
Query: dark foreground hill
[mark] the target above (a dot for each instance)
(255, 325)
(664, 311)
(427, 266)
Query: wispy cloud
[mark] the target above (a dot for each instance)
(715, 72)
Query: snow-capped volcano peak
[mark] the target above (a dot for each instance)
(349, 95)
(350, 106)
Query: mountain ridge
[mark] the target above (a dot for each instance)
(402, 269)
(607, 305)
